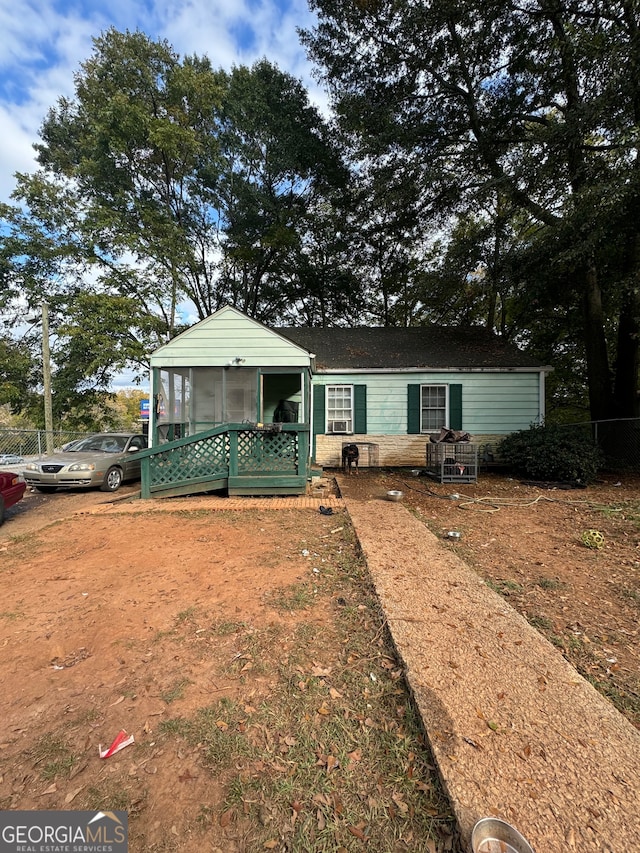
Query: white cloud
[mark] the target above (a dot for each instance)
(44, 43)
(16, 139)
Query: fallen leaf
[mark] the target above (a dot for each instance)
(226, 817)
(332, 763)
(357, 831)
(335, 694)
(337, 805)
(117, 702)
(269, 845)
(72, 795)
(186, 776)
(397, 799)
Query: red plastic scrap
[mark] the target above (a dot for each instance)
(122, 739)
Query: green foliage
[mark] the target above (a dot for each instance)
(556, 453)
(17, 374)
(516, 126)
(163, 184)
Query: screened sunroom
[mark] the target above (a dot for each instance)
(230, 407)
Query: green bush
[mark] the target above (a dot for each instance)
(557, 453)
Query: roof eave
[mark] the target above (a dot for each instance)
(434, 369)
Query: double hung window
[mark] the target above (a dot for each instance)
(433, 407)
(339, 408)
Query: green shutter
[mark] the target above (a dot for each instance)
(318, 410)
(413, 409)
(455, 407)
(360, 409)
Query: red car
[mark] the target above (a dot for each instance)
(11, 491)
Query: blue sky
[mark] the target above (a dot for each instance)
(44, 41)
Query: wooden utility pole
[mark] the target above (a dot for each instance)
(46, 378)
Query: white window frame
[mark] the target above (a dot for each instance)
(348, 419)
(438, 385)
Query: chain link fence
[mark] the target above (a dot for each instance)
(619, 441)
(25, 444)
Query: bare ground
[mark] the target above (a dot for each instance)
(140, 620)
(243, 650)
(525, 540)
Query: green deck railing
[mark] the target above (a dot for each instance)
(244, 459)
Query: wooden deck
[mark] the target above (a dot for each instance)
(239, 458)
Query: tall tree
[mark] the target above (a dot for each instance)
(279, 162)
(135, 143)
(166, 189)
(534, 100)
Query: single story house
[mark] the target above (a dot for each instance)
(286, 397)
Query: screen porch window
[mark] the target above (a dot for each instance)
(433, 409)
(340, 408)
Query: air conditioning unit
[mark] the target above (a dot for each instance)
(338, 426)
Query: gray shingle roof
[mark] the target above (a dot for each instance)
(428, 347)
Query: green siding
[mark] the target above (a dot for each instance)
(493, 402)
(360, 409)
(225, 335)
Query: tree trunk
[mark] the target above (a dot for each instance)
(628, 351)
(599, 380)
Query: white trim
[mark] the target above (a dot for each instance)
(542, 405)
(446, 387)
(327, 420)
(330, 371)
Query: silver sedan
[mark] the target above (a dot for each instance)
(103, 461)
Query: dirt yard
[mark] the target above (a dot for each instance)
(525, 540)
(245, 653)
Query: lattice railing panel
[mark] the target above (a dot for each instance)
(208, 457)
(264, 451)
